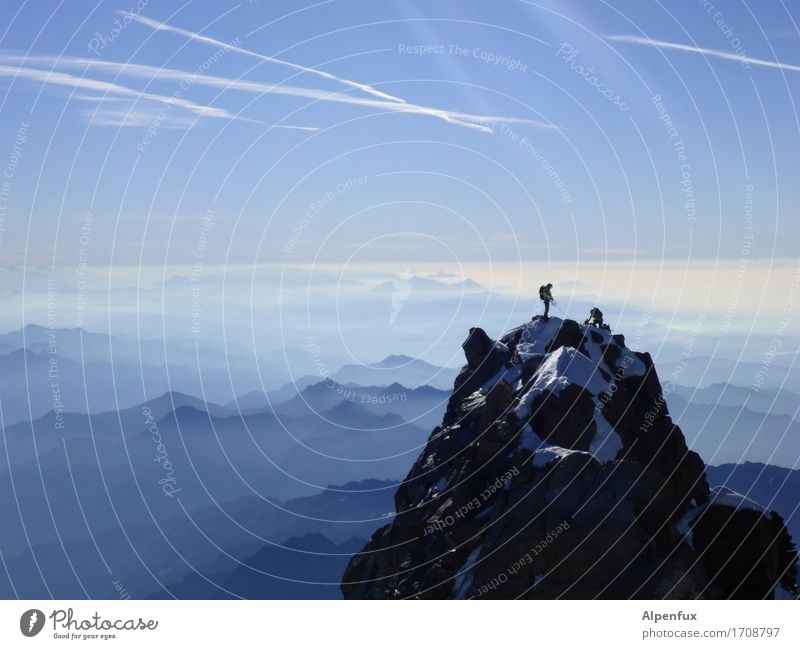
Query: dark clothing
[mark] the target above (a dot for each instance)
(546, 296)
(596, 318)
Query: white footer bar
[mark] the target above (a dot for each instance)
(401, 624)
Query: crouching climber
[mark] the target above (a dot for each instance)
(596, 318)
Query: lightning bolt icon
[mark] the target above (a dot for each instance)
(32, 620)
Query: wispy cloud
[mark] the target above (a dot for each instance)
(50, 77)
(138, 116)
(477, 122)
(292, 127)
(99, 99)
(159, 26)
(728, 56)
(140, 111)
(142, 115)
(383, 100)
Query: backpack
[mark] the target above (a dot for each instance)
(542, 289)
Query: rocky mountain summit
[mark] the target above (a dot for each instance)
(557, 472)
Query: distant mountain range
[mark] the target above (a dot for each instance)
(421, 287)
(733, 434)
(704, 372)
(35, 382)
(167, 554)
(204, 458)
(774, 401)
(253, 510)
(306, 567)
(77, 371)
(422, 406)
(405, 370)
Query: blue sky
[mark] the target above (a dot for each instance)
(465, 194)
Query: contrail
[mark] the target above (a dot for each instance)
(728, 56)
(386, 99)
(70, 81)
(466, 120)
(292, 127)
(262, 57)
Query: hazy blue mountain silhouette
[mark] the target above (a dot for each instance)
(96, 372)
(48, 432)
(149, 557)
(407, 371)
(774, 401)
(703, 371)
(307, 567)
(732, 434)
(110, 460)
(422, 406)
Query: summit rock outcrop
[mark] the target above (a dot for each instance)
(557, 472)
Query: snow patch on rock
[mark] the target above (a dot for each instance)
(543, 453)
(475, 400)
(547, 454)
(536, 337)
(566, 366)
(510, 375)
(563, 367)
(730, 498)
(464, 576)
(606, 443)
(684, 525)
(500, 347)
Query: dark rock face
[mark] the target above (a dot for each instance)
(742, 547)
(558, 473)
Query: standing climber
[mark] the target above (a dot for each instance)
(547, 297)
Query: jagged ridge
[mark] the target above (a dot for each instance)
(557, 472)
